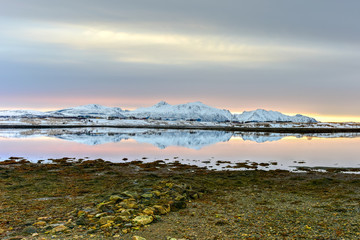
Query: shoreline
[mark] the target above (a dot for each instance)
(96, 199)
(184, 127)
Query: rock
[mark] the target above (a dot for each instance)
(59, 228)
(148, 211)
(115, 198)
(29, 230)
(16, 238)
(160, 209)
(177, 205)
(129, 194)
(81, 213)
(40, 224)
(169, 185)
(195, 196)
(99, 215)
(221, 222)
(47, 228)
(128, 225)
(81, 220)
(126, 212)
(105, 207)
(119, 219)
(138, 238)
(147, 195)
(157, 193)
(143, 220)
(108, 225)
(104, 220)
(157, 218)
(127, 203)
(179, 197)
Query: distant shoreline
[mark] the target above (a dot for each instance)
(213, 128)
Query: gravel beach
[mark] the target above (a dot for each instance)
(96, 199)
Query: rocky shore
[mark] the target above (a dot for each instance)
(95, 199)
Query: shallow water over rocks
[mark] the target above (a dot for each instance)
(212, 149)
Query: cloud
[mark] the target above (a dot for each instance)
(292, 56)
(160, 48)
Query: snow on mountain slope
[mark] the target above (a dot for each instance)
(93, 110)
(195, 111)
(21, 113)
(261, 115)
(189, 111)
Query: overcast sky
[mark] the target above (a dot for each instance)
(292, 56)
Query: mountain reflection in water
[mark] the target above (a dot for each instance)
(192, 139)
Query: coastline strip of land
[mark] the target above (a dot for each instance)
(194, 127)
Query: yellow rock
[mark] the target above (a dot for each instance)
(160, 209)
(148, 211)
(59, 228)
(156, 193)
(143, 220)
(104, 220)
(108, 225)
(40, 224)
(138, 238)
(81, 213)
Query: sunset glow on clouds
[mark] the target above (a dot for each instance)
(301, 57)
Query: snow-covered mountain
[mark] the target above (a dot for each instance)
(261, 115)
(22, 113)
(190, 111)
(92, 110)
(194, 111)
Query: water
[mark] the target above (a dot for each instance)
(202, 148)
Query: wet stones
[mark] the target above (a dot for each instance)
(142, 220)
(177, 205)
(29, 230)
(105, 220)
(60, 228)
(131, 210)
(138, 238)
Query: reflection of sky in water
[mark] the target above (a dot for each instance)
(189, 146)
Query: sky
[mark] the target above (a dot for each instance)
(291, 56)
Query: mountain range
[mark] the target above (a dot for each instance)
(193, 111)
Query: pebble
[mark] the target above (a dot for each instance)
(138, 238)
(143, 220)
(59, 228)
(29, 230)
(147, 195)
(105, 220)
(115, 198)
(40, 224)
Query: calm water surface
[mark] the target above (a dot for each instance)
(189, 147)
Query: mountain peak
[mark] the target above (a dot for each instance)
(262, 115)
(161, 104)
